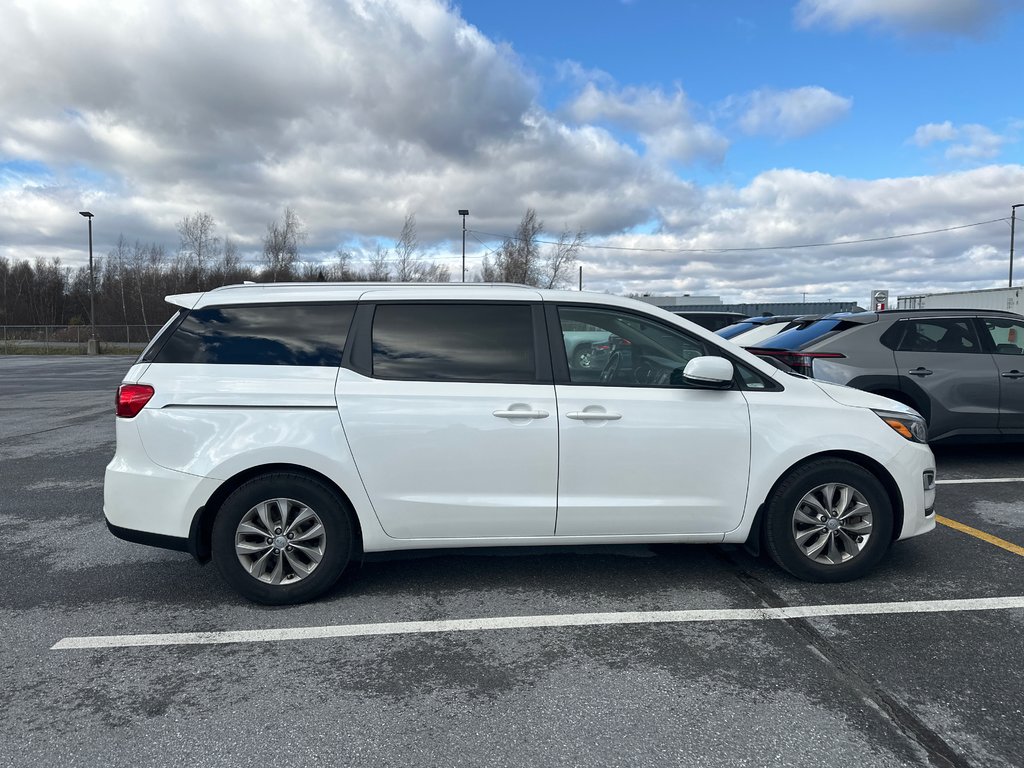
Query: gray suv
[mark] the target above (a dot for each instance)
(962, 369)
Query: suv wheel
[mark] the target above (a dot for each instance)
(282, 538)
(830, 520)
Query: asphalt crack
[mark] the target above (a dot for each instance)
(940, 753)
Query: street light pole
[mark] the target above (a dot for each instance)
(1013, 226)
(463, 213)
(93, 347)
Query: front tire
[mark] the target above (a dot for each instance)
(829, 521)
(282, 538)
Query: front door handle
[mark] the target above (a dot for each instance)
(920, 371)
(593, 416)
(524, 414)
(1014, 374)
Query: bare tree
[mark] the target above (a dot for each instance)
(406, 264)
(344, 270)
(408, 267)
(562, 257)
(281, 245)
(518, 258)
(198, 242)
(380, 266)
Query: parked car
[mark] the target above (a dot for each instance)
(962, 369)
(753, 330)
(711, 319)
(281, 430)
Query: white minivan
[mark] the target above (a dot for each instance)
(284, 429)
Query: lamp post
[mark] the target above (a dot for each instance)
(463, 213)
(93, 347)
(1013, 226)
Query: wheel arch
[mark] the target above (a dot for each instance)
(754, 538)
(201, 530)
(895, 388)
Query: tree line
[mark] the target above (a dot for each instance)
(133, 278)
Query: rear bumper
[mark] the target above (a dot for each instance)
(149, 504)
(150, 539)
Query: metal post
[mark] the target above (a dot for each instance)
(463, 213)
(93, 344)
(1013, 226)
(581, 277)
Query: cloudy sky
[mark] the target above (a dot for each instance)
(691, 140)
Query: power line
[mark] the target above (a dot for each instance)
(748, 249)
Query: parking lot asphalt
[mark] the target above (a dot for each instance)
(930, 687)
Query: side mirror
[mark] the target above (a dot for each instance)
(706, 372)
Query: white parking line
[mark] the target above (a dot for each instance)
(529, 622)
(982, 480)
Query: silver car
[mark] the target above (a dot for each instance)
(962, 369)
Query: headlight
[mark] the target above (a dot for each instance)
(911, 427)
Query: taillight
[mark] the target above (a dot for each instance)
(132, 398)
(801, 362)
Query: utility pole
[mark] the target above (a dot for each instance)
(1013, 226)
(463, 212)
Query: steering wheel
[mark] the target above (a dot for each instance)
(611, 368)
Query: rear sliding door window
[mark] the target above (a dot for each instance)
(454, 342)
(261, 334)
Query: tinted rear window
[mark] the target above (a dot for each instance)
(454, 342)
(261, 334)
(735, 329)
(797, 338)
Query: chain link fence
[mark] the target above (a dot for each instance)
(73, 339)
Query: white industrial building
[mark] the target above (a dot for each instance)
(1008, 299)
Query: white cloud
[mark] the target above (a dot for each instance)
(912, 17)
(790, 207)
(979, 143)
(793, 113)
(932, 132)
(356, 113)
(663, 122)
(965, 142)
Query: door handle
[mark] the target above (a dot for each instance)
(512, 414)
(593, 416)
(1014, 374)
(920, 371)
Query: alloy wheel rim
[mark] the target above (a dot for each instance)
(280, 541)
(832, 523)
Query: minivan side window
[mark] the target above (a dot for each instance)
(260, 334)
(613, 348)
(487, 342)
(937, 335)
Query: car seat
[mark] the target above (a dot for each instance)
(955, 340)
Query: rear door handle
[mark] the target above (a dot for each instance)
(513, 414)
(1014, 374)
(593, 416)
(920, 371)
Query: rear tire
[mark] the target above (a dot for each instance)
(282, 538)
(829, 521)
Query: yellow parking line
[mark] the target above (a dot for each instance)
(994, 540)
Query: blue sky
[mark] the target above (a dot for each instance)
(677, 130)
(898, 79)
